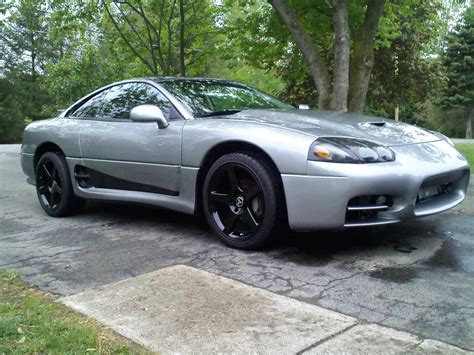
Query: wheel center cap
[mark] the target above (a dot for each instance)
(239, 201)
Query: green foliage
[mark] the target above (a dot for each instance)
(73, 77)
(405, 69)
(19, 102)
(457, 97)
(468, 151)
(31, 322)
(11, 120)
(268, 45)
(238, 70)
(54, 52)
(431, 115)
(159, 32)
(406, 72)
(459, 61)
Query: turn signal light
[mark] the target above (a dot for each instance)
(322, 152)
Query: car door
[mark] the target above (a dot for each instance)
(118, 153)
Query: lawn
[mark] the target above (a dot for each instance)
(468, 151)
(32, 321)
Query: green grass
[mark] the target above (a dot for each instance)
(32, 321)
(468, 151)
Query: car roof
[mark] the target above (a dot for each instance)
(162, 79)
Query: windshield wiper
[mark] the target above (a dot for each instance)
(218, 113)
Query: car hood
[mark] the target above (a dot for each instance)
(331, 123)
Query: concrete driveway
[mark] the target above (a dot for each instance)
(417, 276)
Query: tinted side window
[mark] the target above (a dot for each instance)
(120, 100)
(91, 108)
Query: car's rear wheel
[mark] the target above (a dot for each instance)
(243, 201)
(54, 186)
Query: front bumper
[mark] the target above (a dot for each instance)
(322, 198)
(27, 165)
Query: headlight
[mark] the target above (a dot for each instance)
(349, 150)
(443, 137)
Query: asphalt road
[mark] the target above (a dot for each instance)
(417, 276)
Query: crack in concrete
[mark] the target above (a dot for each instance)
(332, 336)
(39, 257)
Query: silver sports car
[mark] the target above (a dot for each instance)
(250, 163)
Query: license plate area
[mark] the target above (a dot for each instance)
(428, 193)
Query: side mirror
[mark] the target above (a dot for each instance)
(303, 107)
(148, 113)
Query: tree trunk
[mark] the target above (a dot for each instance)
(469, 128)
(182, 65)
(169, 25)
(33, 57)
(154, 47)
(33, 66)
(397, 112)
(362, 60)
(341, 55)
(311, 54)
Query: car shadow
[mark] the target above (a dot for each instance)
(300, 247)
(129, 212)
(341, 241)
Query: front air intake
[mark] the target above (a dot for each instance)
(364, 210)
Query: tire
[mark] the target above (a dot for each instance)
(54, 186)
(243, 200)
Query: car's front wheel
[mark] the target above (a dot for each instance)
(54, 186)
(243, 200)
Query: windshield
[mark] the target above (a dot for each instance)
(208, 97)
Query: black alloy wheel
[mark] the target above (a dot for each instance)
(235, 200)
(243, 201)
(53, 186)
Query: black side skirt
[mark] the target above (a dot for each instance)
(88, 178)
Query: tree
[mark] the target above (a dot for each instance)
(164, 35)
(344, 62)
(408, 72)
(25, 51)
(33, 35)
(76, 75)
(351, 73)
(459, 61)
(11, 120)
(23, 37)
(405, 48)
(55, 51)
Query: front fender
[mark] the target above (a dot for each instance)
(288, 149)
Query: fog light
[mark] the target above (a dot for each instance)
(381, 200)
